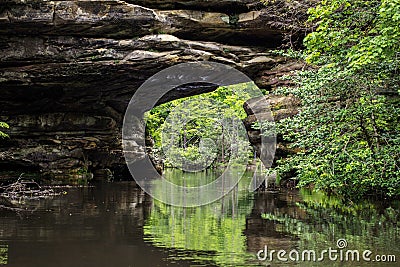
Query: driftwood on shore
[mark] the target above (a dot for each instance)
(26, 189)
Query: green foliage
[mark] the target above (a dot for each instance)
(357, 32)
(4, 126)
(201, 135)
(347, 131)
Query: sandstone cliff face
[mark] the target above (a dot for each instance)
(69, 68)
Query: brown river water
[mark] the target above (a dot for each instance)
(117, 224)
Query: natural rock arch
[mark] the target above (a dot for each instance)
(66, 77)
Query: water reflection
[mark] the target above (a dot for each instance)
(316, 222)
(116, 224)
(99, 226)
(211, 233)
(231, 231)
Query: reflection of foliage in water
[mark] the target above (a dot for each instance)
(188, 179)
(326, 219)
(216, 228)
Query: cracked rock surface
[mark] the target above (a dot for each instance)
(69, 68)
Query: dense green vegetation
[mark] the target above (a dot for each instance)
(193, 128)
(348, 129)
(4, 126)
